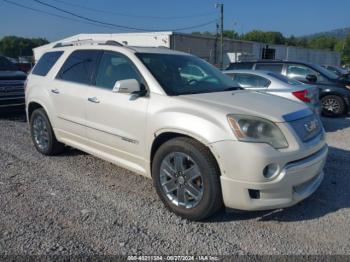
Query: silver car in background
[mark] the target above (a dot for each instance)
(277, 84)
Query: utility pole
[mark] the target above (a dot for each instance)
(221, 6)
(216, 44)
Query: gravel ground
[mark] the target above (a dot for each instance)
(78, 204)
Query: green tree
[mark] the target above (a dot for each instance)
(323, 42)
(265, 37)
(14, 46)
(345, 50)
(291, 41)
(231, 34)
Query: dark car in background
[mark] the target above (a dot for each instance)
(337, 70)
(334, 90)
(11, 84)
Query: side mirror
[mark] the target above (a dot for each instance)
(311, 78)
(127, 86)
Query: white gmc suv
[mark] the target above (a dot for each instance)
(175, 118)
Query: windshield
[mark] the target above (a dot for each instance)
(325, 72)
(284, 79)
(185, 74)
(337, 70)
(6, 65)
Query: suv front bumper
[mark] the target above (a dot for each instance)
(298, 176)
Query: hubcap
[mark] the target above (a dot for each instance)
(40, 132)
(331, 105)
(181, 180)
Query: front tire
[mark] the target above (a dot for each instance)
(42, 134)
(187, 178)
(333, 105)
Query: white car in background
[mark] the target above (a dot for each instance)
(277, 84)
(175, 118)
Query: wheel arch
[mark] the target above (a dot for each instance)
(33, 106)
(165, 135)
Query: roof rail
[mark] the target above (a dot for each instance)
(112, 42)
(87, 42)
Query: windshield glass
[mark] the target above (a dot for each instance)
(6, 65)
(285, 79)
(325, 72)
(337, 70)
(185, 74)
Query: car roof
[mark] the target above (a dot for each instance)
(156, 50)
(274, 62)
(133, 49)
(248, 71)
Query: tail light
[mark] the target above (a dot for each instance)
(303, 95)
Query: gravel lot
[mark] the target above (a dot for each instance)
(78, 204)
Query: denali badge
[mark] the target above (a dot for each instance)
(311, 125)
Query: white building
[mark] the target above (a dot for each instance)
(208, 47)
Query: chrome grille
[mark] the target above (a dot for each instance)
(11, 88)
(308, 127)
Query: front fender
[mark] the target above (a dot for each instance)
(193, 125)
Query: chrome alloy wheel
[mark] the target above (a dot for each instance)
(332, 105)
(40, 132)
(181, 180)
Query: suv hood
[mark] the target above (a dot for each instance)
(251, 103)
(12, 75)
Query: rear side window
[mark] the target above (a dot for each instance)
(79, 67)
(277, 68)
(285, 79)
(46, 62)
(235, 66)
(251, 81)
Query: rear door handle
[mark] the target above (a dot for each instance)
(55, 91)
(94, 100)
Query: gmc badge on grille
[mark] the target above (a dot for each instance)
(311, 125)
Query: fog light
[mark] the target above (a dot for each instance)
(254, 194)
(270, 170)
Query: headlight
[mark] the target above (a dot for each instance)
(348, 86)
(258, 130)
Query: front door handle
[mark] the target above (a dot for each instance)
(55, 91)
(94, 100)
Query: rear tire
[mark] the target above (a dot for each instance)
(42, 134)
(333, 105)
(187, 178)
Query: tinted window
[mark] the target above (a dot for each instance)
(46, 62)
(115, 67)
(192, 70)
(168, 70)
(251, 81)
(300, 72)
(324, 71)
(235, 66)
(284, 79)
(79, 67)
(7, 65)
(277, 68)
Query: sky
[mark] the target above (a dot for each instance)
(297, 17)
